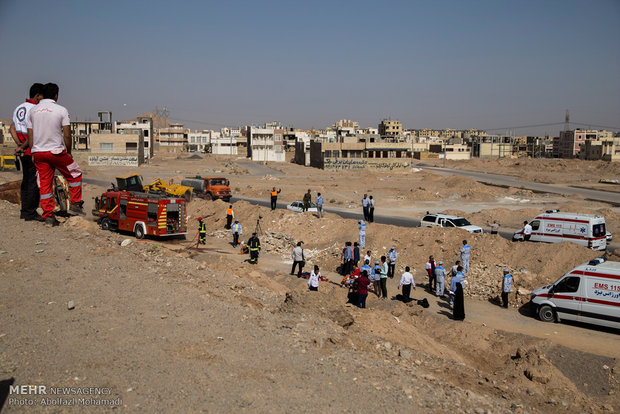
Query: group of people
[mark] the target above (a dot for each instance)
(306, 201)
(368, 208)
(41, 128)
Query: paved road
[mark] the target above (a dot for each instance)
(507, 180)
(393, 220)
(256, 168)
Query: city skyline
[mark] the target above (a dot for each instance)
(486, 65)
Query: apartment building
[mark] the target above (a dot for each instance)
(144, 125)
(390, 128)
(173, 138)
(570, 142)
(606, 148)
(265, 144)
(125, 148)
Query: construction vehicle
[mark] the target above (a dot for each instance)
(209, 188)
(141, 213)
(133, 182)
(8, 163)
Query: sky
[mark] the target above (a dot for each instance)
(493, 65)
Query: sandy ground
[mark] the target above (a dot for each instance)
(165, 327)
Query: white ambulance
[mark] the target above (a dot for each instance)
(589, 293)
(553, 227)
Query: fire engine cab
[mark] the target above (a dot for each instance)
(141, 213)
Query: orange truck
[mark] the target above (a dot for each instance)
(209, 188)
(141, 213)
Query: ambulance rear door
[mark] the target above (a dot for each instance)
(602, 302)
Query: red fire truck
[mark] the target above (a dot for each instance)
(141, 213)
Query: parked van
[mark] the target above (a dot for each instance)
(553, 226)
(443, 220)
(589, 293)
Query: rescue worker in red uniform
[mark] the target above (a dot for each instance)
(49, 139)
(19, 132)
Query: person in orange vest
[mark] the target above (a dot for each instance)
(274, 197)
(230, 215)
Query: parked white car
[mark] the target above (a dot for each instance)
(443, 220)
(298, 207)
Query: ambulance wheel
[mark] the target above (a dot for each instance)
(139, 232)
(188, 196)
(106, 224)
(546, 313)
(208, 196)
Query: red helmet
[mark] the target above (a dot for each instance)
(199, 218)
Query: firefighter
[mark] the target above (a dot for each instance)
(202, 231)
(230, 215)
(254, 247)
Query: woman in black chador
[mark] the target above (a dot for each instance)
(458, 310)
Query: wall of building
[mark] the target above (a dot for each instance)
(109, 147)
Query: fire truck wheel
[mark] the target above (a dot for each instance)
(106, 224)
(208, 196)
(139, 232)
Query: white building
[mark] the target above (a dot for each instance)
(144, 124)
(265, 144)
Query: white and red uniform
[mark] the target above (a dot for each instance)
(49, 152)
(19, 120)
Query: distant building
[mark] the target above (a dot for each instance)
(390, 128)
(173, 138)
(606, 148)
(569, 142)
(265, 144)
(143, 124)
(359, 155)
(125, 149)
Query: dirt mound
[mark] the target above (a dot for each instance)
(11, 191)
(317, 303)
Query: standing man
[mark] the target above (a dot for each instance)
(392, 255)
(494, 227)
(430, 270)
(371, 209)
(230, 214)
(440, 277)
(307, 200)
(362, 289)
(319, 205)
(362, 231)
(365, 206)
(347, 255)
(237, 230)
(454, 268)
(254, 247)
(527, 231)
(407, 282)
(376, 278)
(202, 231)
(383, 277)
(506, 287)
(298, 259)
(49, 139)
(274, 197)
(19, 131)
(465, 252)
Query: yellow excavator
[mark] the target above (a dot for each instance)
(133, 182)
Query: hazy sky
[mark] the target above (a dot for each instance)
(436, 64)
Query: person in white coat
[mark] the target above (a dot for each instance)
(440, 277)
(313, 280)
(362, 231)
(465, 252)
